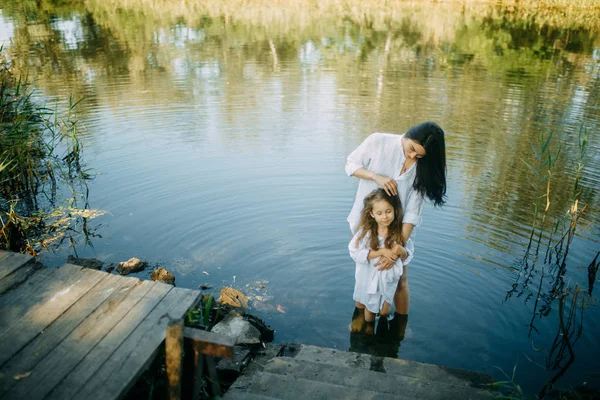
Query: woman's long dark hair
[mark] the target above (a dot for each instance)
(431, 169)
(369, 225)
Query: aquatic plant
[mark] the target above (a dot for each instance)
(43, 183)
(556, 238)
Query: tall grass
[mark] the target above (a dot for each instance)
(43, 183)
(546, 256)
(370, 13)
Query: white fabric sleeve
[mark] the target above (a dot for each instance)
(361, 157)
(413, 208)
(360, 252)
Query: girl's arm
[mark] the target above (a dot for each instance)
(359, 251)
(382, 252)
(362, 253)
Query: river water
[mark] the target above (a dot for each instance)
(219, 147)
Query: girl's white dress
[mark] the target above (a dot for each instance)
(373, 287)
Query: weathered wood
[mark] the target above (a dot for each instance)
(90, 344)
(209, 343)
(26, 291)
(126, 364)
(10, 262)
(92, 362)
(19, 276)
(212, 374)
(174, 357)
(42, 345)
(38, 317)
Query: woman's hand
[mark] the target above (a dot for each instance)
(399, 251)
(384, 252)
(388, 184)
(384, 263)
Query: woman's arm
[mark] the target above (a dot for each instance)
(388, 184)
(407, 229)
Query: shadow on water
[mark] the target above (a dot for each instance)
(380, 338)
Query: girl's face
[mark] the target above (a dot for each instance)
(412, 149)
(382, 212)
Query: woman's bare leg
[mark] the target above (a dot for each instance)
(402, 295)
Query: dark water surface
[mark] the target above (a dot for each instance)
(220, 148)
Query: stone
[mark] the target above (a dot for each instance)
(91, 263)
(164, 276)
(237, 328)
(110, 268)
(233, 297)
(267, 334)
(129, 266)
(232, 368)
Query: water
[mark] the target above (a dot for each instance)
(220, 148)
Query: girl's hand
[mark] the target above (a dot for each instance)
(399, 251)
(388, 253)
(388, 184)
(384, 263)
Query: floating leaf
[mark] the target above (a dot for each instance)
(281, 309)
(21, 376)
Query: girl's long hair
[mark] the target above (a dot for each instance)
(431, 169)
(368, 225)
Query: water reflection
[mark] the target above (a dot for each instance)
(195, 119)
(380, 338)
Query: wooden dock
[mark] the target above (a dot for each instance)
(71, 332)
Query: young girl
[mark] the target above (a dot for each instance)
(379, 233)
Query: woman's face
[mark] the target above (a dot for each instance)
(412, 149)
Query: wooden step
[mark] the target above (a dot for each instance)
(391, 366)
(10, 262)
(375, 381)
(289, 387)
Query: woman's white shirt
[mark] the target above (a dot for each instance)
(382, 154)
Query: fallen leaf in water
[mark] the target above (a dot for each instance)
(205, 273)
(281, 309)
(21, 376)
(261, 287)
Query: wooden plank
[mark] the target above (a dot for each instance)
(79, 343)
(10, 262)
(42, 345)
(38, 317)
(24, 292)
(174, 357)
(92, 362)
(209, 343)
(126, 364)
(44, 282)
(19, 276)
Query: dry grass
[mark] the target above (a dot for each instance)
(373, 13)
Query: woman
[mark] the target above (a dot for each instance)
(412, 166)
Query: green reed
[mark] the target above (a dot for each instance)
(554, 287)
(40, 167)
